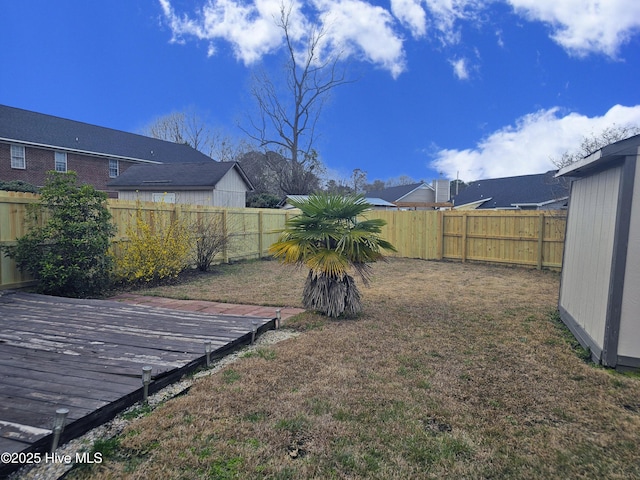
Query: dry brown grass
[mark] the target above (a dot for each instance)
(453, 371)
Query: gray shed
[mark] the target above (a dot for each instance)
(218, 184)
(600, 283)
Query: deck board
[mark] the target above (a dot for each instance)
(87, 356)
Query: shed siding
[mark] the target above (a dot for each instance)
(192, 197)
(228, 199)
(629, 340)
(589, 249)
(230, 191)
(232, 182)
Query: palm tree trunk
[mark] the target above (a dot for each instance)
(331, 296)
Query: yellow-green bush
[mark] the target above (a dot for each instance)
(157, 249)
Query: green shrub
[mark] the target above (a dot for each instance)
(18, 186)
(68, 255)
(263, 200)
(158, 249)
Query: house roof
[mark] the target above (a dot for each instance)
(513, 192)
(603, 158)
(195, 176)
(396, 194)
(38, 129)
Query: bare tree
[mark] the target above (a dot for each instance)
(287, 119)
(595, 142)
(359, 180)
(401, 180)
(338, 187)
(257, 167)
(190, 128)
(182, 127)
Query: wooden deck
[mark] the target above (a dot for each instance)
(87, 356)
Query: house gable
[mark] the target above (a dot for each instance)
(400, 192)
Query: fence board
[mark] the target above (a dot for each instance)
(532, 239)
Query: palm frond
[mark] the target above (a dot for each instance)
(328, 262)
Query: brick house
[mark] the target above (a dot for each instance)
(32, 144)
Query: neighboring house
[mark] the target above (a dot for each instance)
(220, 184)
(376, 203)
(416, 195)
(32, 144)
(526, 192)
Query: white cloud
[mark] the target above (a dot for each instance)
(529, 146)
(460, 68)
(353, 28)
(357, 28)
(251, 29)
(585, 26)
(446, 13)
(374, 34)
(411, 14)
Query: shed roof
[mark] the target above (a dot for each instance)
(38, 129)
(603, 158)
(513, 192)
(204, 175)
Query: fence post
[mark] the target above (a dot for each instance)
(464, 237)
(540, 239)
(440, 240)
(225, 249)
(260, 230)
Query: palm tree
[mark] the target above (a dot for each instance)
(329, 239)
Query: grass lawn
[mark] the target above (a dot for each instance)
(453, 371)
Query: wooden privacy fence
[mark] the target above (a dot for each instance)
(251, 230)
(533, 239)
(526, 238)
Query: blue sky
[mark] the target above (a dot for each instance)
(475, 88)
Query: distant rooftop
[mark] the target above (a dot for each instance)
(395, 194)
(513, 192)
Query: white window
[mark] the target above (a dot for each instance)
(61, 162)
(163, 197)
(17, 157)
(114, 168)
